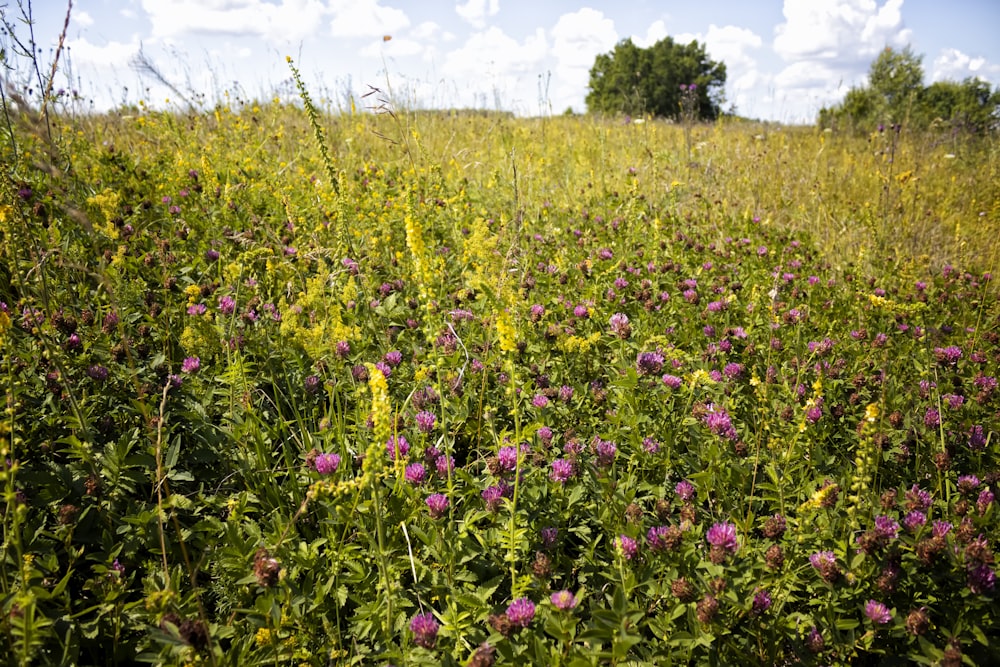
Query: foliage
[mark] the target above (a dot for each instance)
(540, 391)
(895, 94)
(638, 82)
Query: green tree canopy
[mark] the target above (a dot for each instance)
(896, 94)
(896, 79)
(636, 81)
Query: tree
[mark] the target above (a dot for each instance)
(895, 94)
(969, 105)
(636, 81)
(896, 78)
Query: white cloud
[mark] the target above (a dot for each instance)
(111, 54)
(292, 20)
(805, 74)
(578, 37)
(366, 18)
(952, 64)
(476, 11)
(428, 30)
(395, 48)
(848, 31)
(730, 44)
(493, 70)
(83, 19)
(495, 51)
(656, 31)
(829, 45)
(128, 13)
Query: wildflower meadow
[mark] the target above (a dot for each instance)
(287, 384)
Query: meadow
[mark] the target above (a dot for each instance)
(287, 386)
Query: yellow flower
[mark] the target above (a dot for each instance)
(819, 497)
(507, 333)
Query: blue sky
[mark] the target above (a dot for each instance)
(785, 59)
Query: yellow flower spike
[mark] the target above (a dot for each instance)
(506, 332)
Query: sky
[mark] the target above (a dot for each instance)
(785, 59)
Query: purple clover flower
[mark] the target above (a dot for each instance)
(327, 464)
(620, 325)
(723, 536)
(437, 505)
(948, 355)
(493, 495)
(977, 439)
(918, 498)
(508, 458)
(968, 483)
(886, 527)
(444, 464)
(663, 538)
(984, 500)
(981, 579)
(227, 305)
(914, 520)
(520, 612)
(190, 365)
(761, 602)
(605, 451)
(425, 630)
(397, 445)
(629, 548)
(562, 471)
(425, 421)
(416, 473)
(685, 490)
(563, 600)
(718, 422)
(672, 381)
(877, 612)
(649, 363)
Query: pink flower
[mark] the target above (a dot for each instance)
(327, 464)
(563, 600)
(723, 536)
(424, 629)
(521, 612)
(629, 548)
(877, 612)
